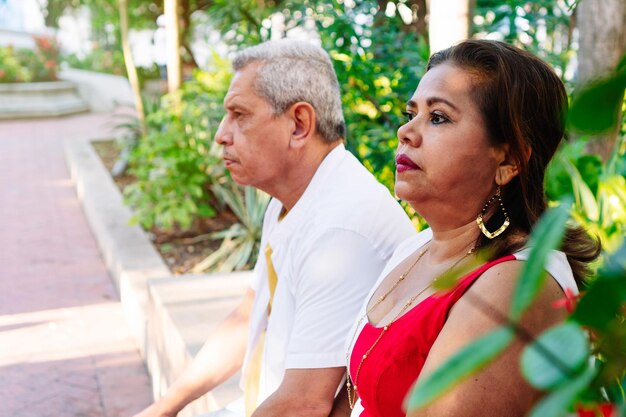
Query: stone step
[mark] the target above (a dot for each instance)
(41, 99)
(185, 311)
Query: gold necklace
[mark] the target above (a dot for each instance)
(352, 393)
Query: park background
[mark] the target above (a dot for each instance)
(165, 163)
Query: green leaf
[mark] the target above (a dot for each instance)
(606, 295)
(458, 367)
(204, 210)
(621, 66)
(556, 356)
(584, 197)
(595, 108)
(546, 236)
(590, 168)
(557, 403)
(450, 277)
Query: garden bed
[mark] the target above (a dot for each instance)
(181, 249)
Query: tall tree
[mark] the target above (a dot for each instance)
(602, 28)
(131, 70)
(172, 27)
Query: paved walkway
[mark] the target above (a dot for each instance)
(65, 348)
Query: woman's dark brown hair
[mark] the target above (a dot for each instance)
(523, 104)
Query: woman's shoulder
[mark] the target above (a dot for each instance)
(557, 266)
(498, 280)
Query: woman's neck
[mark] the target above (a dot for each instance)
(451, 243)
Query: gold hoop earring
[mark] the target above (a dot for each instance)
(481, 224)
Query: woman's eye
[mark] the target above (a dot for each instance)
(437, 118)
(409, 116)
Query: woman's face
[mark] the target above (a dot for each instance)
(445, 165)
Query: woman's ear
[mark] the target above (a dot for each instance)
(304, 119)
(508, 168)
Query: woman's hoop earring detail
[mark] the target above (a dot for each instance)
(481, 224)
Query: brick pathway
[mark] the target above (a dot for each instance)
(65, 348)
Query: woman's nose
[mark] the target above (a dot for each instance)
(408, 133)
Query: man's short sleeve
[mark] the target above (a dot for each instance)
(335, 276)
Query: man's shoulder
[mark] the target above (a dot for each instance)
(355, 195)
(351, 181)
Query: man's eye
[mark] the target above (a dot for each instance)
(437, 119)
(409, 116)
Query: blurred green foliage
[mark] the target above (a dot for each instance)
(177, 161)
(30, 65)
(543, 27)
(109, 61)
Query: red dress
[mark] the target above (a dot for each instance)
(395, 363)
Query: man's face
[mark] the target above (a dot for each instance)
(255, 142)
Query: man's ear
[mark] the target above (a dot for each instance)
(304, 119)
(508, 168)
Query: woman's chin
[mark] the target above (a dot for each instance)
(404, 190)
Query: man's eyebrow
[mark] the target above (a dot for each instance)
(233, 104)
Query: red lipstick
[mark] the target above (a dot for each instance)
(404, 163)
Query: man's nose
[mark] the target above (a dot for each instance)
(223, 135)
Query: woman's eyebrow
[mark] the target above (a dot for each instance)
(432, 100)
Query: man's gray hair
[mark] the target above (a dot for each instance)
(293, 71)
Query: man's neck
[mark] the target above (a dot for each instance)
(300, 173)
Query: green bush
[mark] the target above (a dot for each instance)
(110, 61)
(177, 161)
(26, 65)
(241, 241)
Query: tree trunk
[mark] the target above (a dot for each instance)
(185, 31)
(448, 22)
(602, 28)
(420, 11)
(174, 73)
(131, 70)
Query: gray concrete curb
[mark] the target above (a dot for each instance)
(129, 256)
(169, 316)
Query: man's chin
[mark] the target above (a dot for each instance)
(239, 180)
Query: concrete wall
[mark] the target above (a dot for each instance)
(102, 92)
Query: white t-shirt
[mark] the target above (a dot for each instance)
(556, 265)
(327, 252)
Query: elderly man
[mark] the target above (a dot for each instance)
(327, 234)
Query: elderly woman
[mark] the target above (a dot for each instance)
(481, 127)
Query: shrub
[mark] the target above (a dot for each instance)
(25, 65)
(99, 60)
(177, 162)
